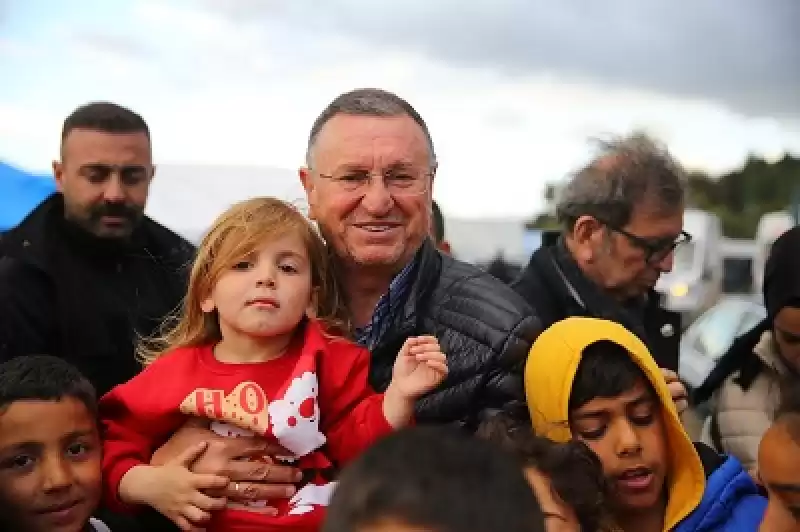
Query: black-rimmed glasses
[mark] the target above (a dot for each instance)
(655, 249)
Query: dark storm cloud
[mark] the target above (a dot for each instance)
(742, 53)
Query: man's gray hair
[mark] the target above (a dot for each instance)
(628, 171)
(368, 102)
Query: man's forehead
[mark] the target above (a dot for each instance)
(354, 139)
(92, 143)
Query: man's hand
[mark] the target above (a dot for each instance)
(245, 461)
(678, 391)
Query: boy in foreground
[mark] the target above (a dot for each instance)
(594, 381)
(433, 479)
(50, 450)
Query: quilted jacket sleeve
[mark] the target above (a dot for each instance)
(486, 329)
(743, 416)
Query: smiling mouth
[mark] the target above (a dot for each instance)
(377, 228)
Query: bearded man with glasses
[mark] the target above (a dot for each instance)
(622, 218)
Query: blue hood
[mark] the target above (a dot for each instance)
(732, 502)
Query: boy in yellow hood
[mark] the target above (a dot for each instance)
(594, 381)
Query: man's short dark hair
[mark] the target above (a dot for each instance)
(106, 117)
(606, 370)
(44, 378)
(438, 479)
(438, 223)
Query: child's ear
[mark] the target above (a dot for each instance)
(207, 305)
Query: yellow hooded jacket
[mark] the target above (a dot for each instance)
(549, 374)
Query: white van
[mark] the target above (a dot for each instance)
(770, 227)
(695, 282)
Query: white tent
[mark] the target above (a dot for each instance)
(188, 198)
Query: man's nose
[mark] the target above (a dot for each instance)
(114, 192)
(377, 199)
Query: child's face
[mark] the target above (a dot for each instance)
(779, 472)
(787, 335)
(558, 516)
(50, 462)
(627, 434)
(267, 293)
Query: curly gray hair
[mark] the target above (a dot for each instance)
(628, 171)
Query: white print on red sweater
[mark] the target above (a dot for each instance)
(294, 422)
(309, 496)
(295, 418)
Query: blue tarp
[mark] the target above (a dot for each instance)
(20, 193)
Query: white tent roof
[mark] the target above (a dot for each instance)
(188, 198)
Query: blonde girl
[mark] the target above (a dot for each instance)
(256, 352)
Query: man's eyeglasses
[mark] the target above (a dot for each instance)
(655, 249)
(398, 181)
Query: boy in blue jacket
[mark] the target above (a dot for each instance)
(594, 381)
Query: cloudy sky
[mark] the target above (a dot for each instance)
(511, 89)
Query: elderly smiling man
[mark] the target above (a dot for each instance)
(369, 177)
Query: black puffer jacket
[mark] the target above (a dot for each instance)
(484, 328)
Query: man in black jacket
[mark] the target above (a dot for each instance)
(369, 177)
(622, 218)
(86, 272)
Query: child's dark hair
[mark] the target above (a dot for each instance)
(574, 471)
(438, 479)
(606, 370)
(44, 378)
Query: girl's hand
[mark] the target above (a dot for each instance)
(173, 490)
(420, 367)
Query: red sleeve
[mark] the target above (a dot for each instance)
(136, 418)
(351, 412)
